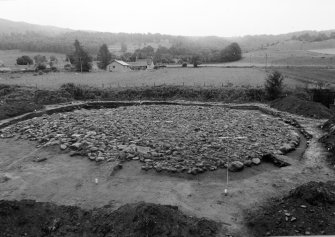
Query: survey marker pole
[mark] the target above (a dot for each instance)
(226, 189)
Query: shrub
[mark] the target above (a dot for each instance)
(45, 97)
(68, 67)
(231, 53)
(40, 66)
(75, 91)
(184, 65)
(24, 60)
(196, 60)
(274, 85)
(54, 69)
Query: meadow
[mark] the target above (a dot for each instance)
(300, 65)
(324, 51)
(205, 77)
(310, 75)
(284, 57)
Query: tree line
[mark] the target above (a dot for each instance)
(164, 55)
(314, 37)
(82, 60)
(62, 43)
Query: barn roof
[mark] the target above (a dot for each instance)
(121, 62)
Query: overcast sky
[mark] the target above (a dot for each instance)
(177, 17)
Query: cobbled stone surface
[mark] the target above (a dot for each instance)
(173, 138)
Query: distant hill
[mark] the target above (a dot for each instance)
(37, 38)
(8, 27)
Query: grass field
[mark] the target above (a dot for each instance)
(310, 75)
(170, 76)
(324, 51)
(314, 67)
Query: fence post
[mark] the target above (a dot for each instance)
(204, 84)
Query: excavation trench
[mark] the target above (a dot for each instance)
(95, 105)
(66, 180)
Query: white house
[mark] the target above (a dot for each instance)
(118, 66)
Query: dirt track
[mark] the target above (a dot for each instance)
(71, 181)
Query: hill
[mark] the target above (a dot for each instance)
(37, 38)
(12, 27)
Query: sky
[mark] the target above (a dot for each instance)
(176, 17)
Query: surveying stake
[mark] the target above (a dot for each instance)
(226, 189)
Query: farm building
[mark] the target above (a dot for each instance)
(142, 64)
(118, 66)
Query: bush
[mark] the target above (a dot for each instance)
(196, 60)
(54, 69)
(40, 67)
(231, 53)
(44, 97)
(68, 67)
(24, 60)
(75, 91)
(274, 85)
(79, 92)
(184, 65)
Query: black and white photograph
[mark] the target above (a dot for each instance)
(167, 118)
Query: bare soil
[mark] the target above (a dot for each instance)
(66, 180)
(30, 218)
(305, 108)
(308, 209)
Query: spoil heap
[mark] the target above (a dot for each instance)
(294, 105)
(30, 218)
(307, 210)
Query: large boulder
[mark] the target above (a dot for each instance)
(285, 148)
(277, 160)
(235, 166)
(256, 161)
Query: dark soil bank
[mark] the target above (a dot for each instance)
(305, 108)
(328, 139)
(307, 210)
(30, 218)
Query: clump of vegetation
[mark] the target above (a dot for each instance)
(40, 67)
(24, 60)
(80, 58)
(40, 59)
(80, 92)
(231, 53)
(274, 85)
(104, 57)
(15, 100)
(196, 60)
